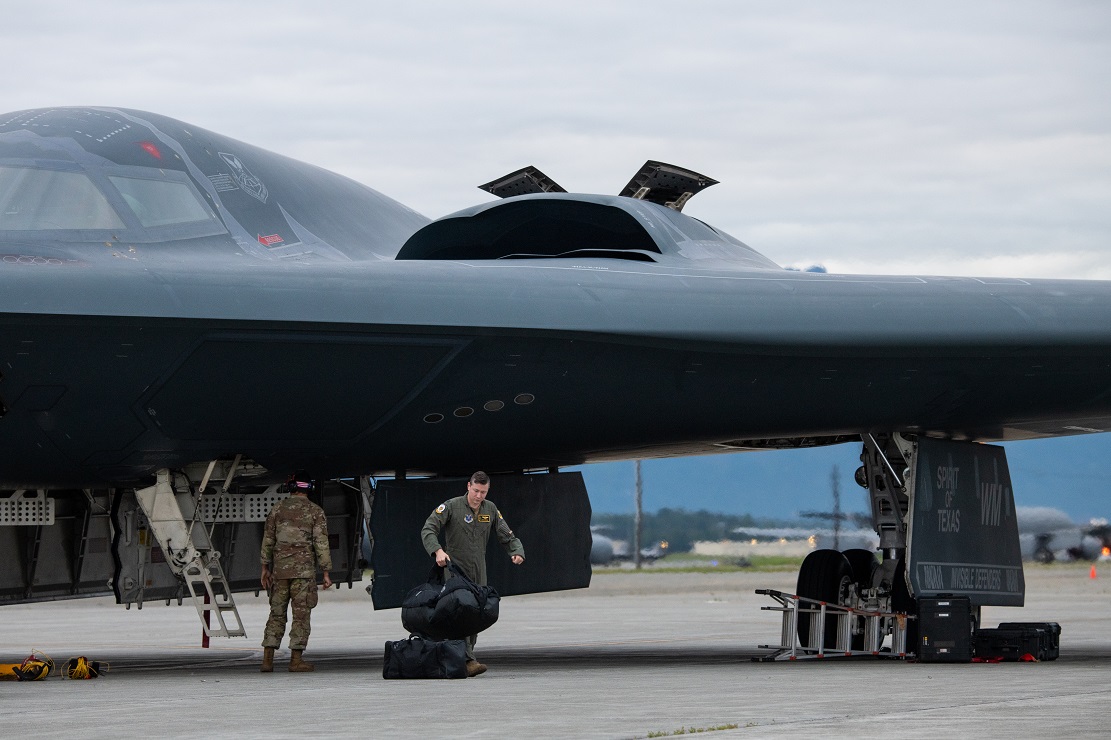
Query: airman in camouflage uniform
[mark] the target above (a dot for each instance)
(466, 523)
(294, 542)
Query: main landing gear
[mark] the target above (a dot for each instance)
(862, 581)
(840, 578)
(945, 515)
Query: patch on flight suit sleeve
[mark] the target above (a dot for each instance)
(484, 518)
(441, 508)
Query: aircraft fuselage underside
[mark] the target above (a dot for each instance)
(104, 400)
(62, 544)
(187, 535)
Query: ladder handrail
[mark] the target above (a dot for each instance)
(207, 571)
(877, 624)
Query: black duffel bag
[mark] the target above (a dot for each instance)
(420, 658)
(449, 606)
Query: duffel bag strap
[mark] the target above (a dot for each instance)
(458, 573)
(437, 574)
(460, 580)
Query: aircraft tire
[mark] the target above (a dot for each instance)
(827, 576)
(863, 564)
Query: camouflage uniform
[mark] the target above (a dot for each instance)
(466, 534)
(295, 532)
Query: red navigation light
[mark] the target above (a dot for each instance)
(151, 149)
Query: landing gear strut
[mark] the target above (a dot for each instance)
(856, 578)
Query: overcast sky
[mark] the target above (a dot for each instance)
(939, 138)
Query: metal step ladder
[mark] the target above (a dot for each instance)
(877, 625)
(190, 553)
(205, 576)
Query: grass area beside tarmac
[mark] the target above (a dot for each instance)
(691, 563)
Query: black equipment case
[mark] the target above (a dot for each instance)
(420, 658)
(945, 630)
(1013, 640)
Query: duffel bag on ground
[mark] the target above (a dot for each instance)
(449, 608)
(417, 657)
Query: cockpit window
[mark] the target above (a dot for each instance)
(161, 202)
(36, 199)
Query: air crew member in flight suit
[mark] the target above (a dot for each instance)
(294, 542)
(466, 522)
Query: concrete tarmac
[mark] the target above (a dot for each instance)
(633, 655)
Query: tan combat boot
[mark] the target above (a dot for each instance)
(267, 660)
(474, 668)
(296, 665)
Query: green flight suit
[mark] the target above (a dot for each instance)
(465, 535)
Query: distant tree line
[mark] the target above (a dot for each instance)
(679, 527)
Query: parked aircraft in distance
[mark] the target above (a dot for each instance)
(186, 319)
(604, 550)
(1049, 535)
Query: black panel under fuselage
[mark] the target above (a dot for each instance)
(102, 399)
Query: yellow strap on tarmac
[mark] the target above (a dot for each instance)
(36, 667)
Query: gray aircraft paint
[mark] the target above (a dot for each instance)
(108, 345)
